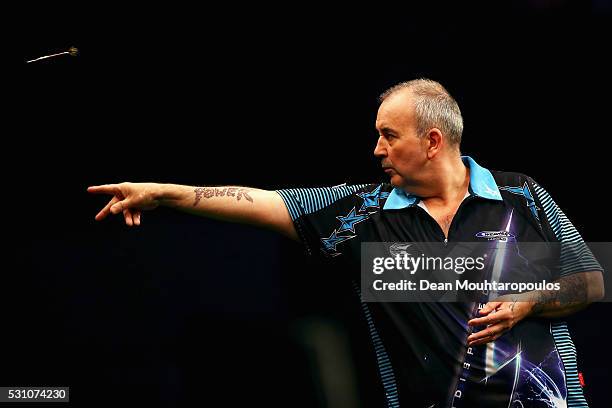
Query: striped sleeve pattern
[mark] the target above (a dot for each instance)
(575, 254)
(302, 201)
(575, 257)
(567, 352)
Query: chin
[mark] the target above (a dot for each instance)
(396, 181)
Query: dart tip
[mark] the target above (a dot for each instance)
(73, 51)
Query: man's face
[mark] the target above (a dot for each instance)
(402, 154)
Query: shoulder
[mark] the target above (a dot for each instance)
(512, 178)
(303, 201)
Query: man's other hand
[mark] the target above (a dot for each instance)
(501, 315)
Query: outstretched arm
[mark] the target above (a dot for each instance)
(229, 203)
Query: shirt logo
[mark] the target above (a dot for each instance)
(399, 249)
(502, 236)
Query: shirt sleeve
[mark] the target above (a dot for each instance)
(575, 255)
(326, 217)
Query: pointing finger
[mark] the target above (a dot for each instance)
(103, 189)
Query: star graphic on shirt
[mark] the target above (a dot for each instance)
(525, 192)
(330, 242)
(530, 200)
(347, 223)
(372, 198)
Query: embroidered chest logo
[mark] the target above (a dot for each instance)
(495, 235)
(502, 236)
(399, 249)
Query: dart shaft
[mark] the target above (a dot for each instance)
(48, 56)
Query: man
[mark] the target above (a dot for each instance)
(429, 354)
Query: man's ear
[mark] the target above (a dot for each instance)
(435, 142)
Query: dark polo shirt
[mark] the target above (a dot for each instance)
(421, 348)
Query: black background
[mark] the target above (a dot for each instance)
(185, 310)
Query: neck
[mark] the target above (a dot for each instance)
(448, 180)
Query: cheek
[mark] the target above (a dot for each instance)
(399, 159)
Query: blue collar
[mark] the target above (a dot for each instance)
(482, 184)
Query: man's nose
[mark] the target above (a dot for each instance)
(380, 150)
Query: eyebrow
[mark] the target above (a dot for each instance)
(387, 130)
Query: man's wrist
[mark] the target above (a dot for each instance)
(168, 195)
(528, 302)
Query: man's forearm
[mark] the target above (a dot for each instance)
(205, 201)
(229, 203)
(575, 293)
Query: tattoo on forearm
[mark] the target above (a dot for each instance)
(573, 292)
(209, 192)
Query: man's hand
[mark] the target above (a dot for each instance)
(502, 315)
(128, 198)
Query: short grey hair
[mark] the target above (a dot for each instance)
(434, 108)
